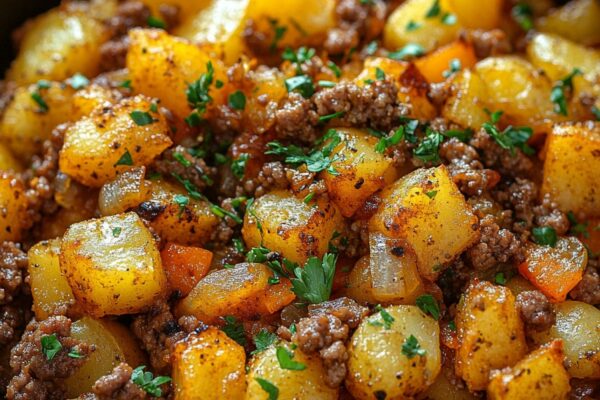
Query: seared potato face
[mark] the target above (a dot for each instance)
(13, 208)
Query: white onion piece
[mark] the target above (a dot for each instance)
(124, 192)
(393, 275)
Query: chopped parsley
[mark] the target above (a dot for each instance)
(325, 118)
(180, 158)
(155, 22)
(299, 57)
(234, 329)
(411, 347)
(301, 84)
(316, 160)
(308, 198)
(312, 284)
(73, 353)
(125, 84)
(147, 381)
(50, 346)
(263, 339)
(39, 100)
(141, 118)
(510, 138)
(237, 100)
(410, 50)
(238, 245)
(429, 305)
(454, 67)
(198, 96)
(272, 390)
(182, 201)
(434, 10)
(79, 81)
(428, 148)
(371, 48)
(326, 84)
(334, 68)
(278, 32)
(222, 213)
(561, 91)
(449, 19)
(412, 26)
(523, 15)
(500, 278)
(379, 74)
(125, 159)
(431, 194)
(452, 325)
(238, 166)
(116, 231)
(387, 318)
(577, 228)
(544, 235)
(463, 136)
(388, 141)
(285, 358)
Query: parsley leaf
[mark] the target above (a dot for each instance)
(147, 382)
(79, 81)
(125, 84)
(434, 10)
(316, 160)
(234, 329)
(577, 228)
(237, 100)
(429, 306)
(544, 235)
(455, 66)
(334, 68)
(463, 136)
(238, 166)
(301, 56)
(73, 353)
(427, 150)
(596, 112)
(412, 26)
(263, 339)
(268, 387)
(510, 137)
(313, 283)
(410, 50)
(523, 16)
(301, 84)
(141, 118)
(388, 141)
(325, 118)
(285, 358)
(371, 48)
(411, 347)
(37, 97)
(449, 19)
(198, 96)
(181, 201)
(379, 74)
(500, 278)
(125, 159)
(431, 194)
(180, 158)
(116, 231)
(387, 318)
(561, 90)
(278, 32)
(50, 346)
(155, 22)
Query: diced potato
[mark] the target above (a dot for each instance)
(235, 291)
(378, 365)
(475, 14)
(49, 287)
(162, 66)
(282, 222)
(189, 224)
(578, 326)
(25, 125)
(444, 389)
(432, 32)
(555, 270)
(517, 88)
(257, 116)
(572, 167)
(7, 161)
(113, 265)
(517, 284)
(434, 65)
(360, 287)
(186, 7)
(577, 20)
(85, 100)
(362, 170)
(426, 209)
(114, 344)
(467, 101)
(541, 375)
(490, 333)
(126, 191)
(209, 365)
(14, 218)
(307, 384)
(58, 44)
(99, 147)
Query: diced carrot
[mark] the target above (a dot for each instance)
(275, 297)
(555, 270)
(185, 266)
(433, 65)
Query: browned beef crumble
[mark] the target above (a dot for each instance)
(296, 118)
(36, 377)
(535, 310)
(11, 319)
(584, 389)
(13, 266)
(588, 289)
(488, 43)
(496, 245)
(118, 386)
(199, 174)
(495, 157)
(272, 175)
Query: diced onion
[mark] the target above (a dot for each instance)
(126, 191)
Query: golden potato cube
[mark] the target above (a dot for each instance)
(7, 161)
(186, 7)
(281, 222)
(379, 362)
(99, 147)
(432, 32)
(362, 170)
(162, 66)
(306, 384)
(209, 366)
(426, 209)
(445, 389)
(58, 44)
(114, 344)
(572, 167)
(112, 265)
(85, 100)
(14, 219)
(541, 375)
(49, 287)
(577, 325)
(576, 20)
(490, 333)
(467, 101)
(189, 224)
(475, 14)
(26, 124)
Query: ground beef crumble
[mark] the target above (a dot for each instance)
(118, 386)
(496, 245)
(179, 162)
(13, 264)
(588, 289)
(535, 310)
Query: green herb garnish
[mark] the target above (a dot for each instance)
(411, 347)
(125, 159)
(50, 346)
(429, 305)
(234, 329)
(141, 118)
(545, 236)
(285, 358)
(148, 382)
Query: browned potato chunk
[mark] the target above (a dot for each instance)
(541, 375)
(426, 209)
(577, 20)
(14, 219)
(362, 170)
(490, 333)
(282, 222)
(466, 104)
(7, 161)
(209, 366)
(99, 147)
(572, 167)
(112, 265)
